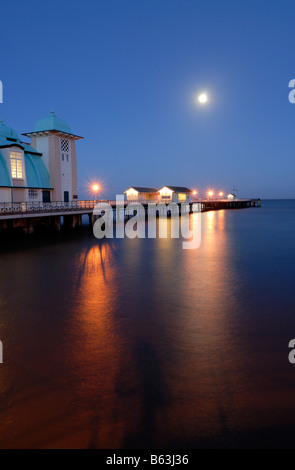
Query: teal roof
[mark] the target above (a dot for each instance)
(36, 172)
(28, 148)
(7, 132)
(52, 123)
(4, 173)
(8, 143)
(8, 138)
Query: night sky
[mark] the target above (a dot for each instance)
(125, 74)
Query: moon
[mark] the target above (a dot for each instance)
(203, 98)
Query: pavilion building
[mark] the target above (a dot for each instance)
(44, 170)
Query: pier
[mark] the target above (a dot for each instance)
(26, 216)
(209, 205)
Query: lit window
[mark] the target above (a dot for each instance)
(16, 162)
(181, 197)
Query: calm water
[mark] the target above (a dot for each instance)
(139, 343)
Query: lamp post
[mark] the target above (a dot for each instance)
(210, 194)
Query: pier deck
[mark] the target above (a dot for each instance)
(25, 215)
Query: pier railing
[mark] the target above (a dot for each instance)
(81, 206)
(56, 206)
(59, 206)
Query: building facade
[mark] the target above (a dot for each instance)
(136, 193)
(44, 170)
(166, 194)
(175, 194)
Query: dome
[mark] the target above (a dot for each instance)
(7, 132)
(52, 123)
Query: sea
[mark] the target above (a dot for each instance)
(139, 343)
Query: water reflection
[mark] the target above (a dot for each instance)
(100, 353)
(139, 343)
(139, 338)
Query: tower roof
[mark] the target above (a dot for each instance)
(52, 123)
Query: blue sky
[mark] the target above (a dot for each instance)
(124, 74)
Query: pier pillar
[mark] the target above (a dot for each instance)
(56, 223)
(28, 227)
(72, 221)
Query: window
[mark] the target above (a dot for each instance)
(16, 162)
(65, 150)
(181, 197)
(64, 145)
(33, 194)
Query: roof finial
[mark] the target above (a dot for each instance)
(52, 112)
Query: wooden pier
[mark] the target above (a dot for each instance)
(26, 216)
(213, 205)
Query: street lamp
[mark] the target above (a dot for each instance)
(210, 194)
(220, 194)
(95, 189)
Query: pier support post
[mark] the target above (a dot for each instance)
(72, 221)
(56, 223)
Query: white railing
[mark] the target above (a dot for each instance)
(21, 207)
(60, 206)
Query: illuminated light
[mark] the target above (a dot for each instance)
(194, 192)
(166, 193)
(131, 192)
(210, 193)
(221, 194)
(165, 190)
(203, 98)
(95, 188)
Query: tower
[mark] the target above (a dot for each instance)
(54, 139)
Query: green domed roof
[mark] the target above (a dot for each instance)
(36, 172)
(7, 132)
(52, 123)
(4, 173)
